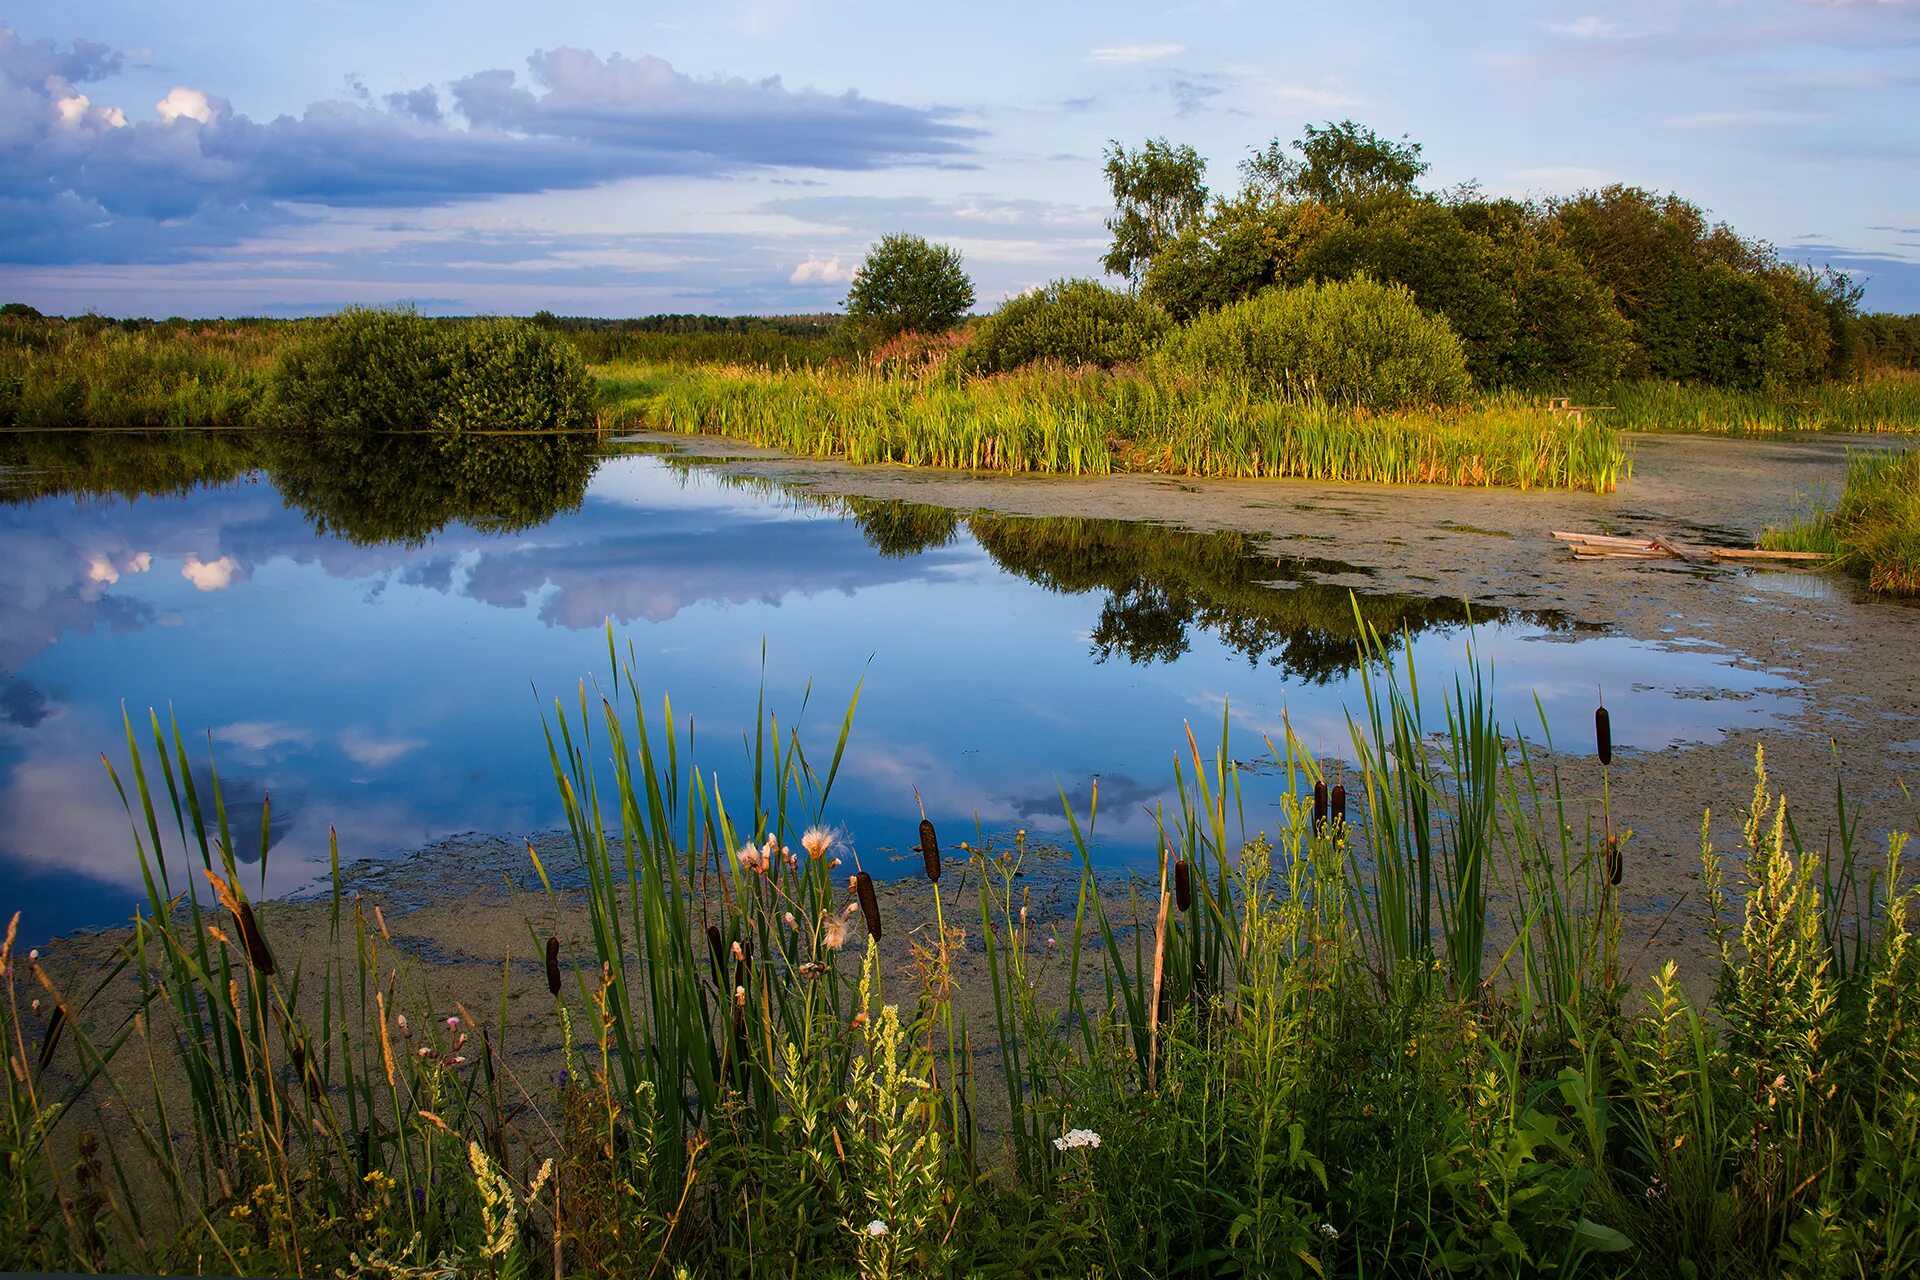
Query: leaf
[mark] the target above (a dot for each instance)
(1597, 1238)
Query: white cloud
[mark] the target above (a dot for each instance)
(375, 753)
(256, 737)
(216, 575)
(1587, 28)
(182, 103)
(1135, 52)
(822, 271)
(100, 569)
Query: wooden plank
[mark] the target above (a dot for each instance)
(1743, 553)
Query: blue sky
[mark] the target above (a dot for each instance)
(739, 155)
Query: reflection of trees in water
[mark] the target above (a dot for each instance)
(1162, 583)
(371, 488)
(121, 464)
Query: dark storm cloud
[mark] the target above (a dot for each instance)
(84, 183)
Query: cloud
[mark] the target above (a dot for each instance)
(258, 737)
(1135, 52)
(822, 271)
(216, 575)
(79, 182)
(376, 753)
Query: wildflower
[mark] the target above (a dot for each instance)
(816, 842)
(406, 1032)
(876, 1228)
(1330, 1231)
(787, 918)
(453, 1025)
(458, 1061)
(423, 1052)
(33, 956)
(1075, 1139)
(1052, 943)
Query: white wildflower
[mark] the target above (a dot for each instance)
(816, 842)
(876, 1228)
(1330, 1231)
(1077, 1138)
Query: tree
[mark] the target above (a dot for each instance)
(1157, 192)
(907, 284)
(1337, 164)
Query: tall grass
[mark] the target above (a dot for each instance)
(1296, 1051)
(94, 374)
(1884, 401)
(1092, 423)
(1873, 532)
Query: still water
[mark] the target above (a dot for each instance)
(367, 632)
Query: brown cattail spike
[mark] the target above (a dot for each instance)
(869, 904)
(930, 850)
(1616, 865)
(1319, 807)
(1182, 884)
(719, 950)
(553, 964)
(55, 1025)
(1340, 802)
(1603, 734)
(257, 954)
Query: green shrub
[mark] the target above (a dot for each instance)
(1074, 322)
(375, 370)
(363, 369)
(1347, 342)
(511, 375)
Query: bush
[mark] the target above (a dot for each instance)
(512, 375)
(1348, 342)
(1076, 322)
(375, 370)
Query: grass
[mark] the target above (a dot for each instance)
(94, 373)
(1286, 1052)
(1087, 422)
(1883, 401)
(1874, 530)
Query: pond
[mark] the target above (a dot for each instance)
(367, 632)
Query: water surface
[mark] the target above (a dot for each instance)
(367, 630)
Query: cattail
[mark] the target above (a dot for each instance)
(553, 964)
(1340, 802)
(1319, 807)
(869, 904)
(1616, 865)
(930, 850)
(743, 967)
(718, 948)
(1182, 884)
(257, 954)
(1603, 734)
(55, 1026)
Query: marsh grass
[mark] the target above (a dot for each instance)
(1315, 1061)
(1089, 422)
(1873, 531)
(91, 373)
(1887, 400)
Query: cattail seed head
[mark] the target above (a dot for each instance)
(930, 850)
(553, 965)
(1339, 802)
(869, 903)
(1182, 884)
(718, 947)
(257, 954)
(1319, 807)
(1603, 734)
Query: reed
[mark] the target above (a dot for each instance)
(1090, 422)
(1873, 531)
(1887, 400)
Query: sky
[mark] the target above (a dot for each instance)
(231, 157)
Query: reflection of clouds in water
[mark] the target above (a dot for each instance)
(258, 739)
(22, 704)
(376, 753)
(216, 575)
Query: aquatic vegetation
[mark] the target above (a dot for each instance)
(1089, 422)
(1873, 532)
(95, 373)
(1884, 401)
(1283, 1051)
